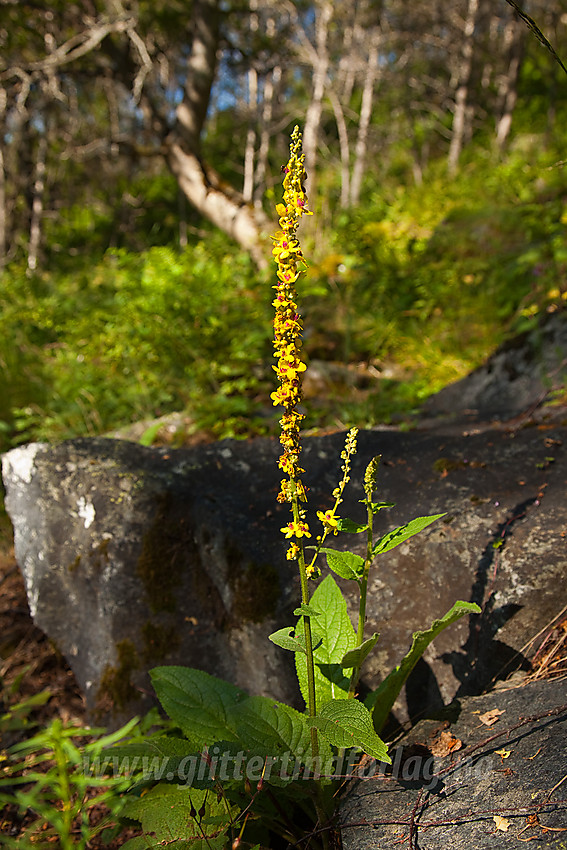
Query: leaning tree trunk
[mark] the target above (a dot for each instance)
(222, 205)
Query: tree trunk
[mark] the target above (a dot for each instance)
(344, 147)
(271, 85)
(461, 114)
(3, 218)
(252, 109)
(324, 13)
(222, 205)
(250, 149)
(37, 202)
(508, 88)
(364, 120)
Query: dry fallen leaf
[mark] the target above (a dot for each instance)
(501, 823)
(445, 744)
(489, 718)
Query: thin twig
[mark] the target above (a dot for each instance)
(552, 712)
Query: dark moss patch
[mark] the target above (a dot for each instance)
(444, 465)
(158, 641)
(160, 562)
(255, 588)
(74, 565)
(116, 682)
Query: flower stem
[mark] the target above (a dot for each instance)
(311, 702)
(370, 476)
(363, 585)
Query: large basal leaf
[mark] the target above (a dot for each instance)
(347, 723)
(154, 757)
(147, 842)
(169, 817)
(383, 698)
(269, 728)
(280, 736)
(197, 702)
(403, 533)
(333, 635)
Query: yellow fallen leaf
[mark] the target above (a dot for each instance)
(501, 823)
(503, 753)
(491, 717)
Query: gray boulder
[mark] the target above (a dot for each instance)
(463, 784)
(135, 557)
(518, 376)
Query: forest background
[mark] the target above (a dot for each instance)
(140, 167)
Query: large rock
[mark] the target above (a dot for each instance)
(468, 786)
(521, 373)
(135, 557)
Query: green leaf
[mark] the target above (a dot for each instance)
(355, 657)
(347, 723)
(271, 729)
(403, 533)
(113, 737)
(160, 756)
(197, 702)
(378, 506)
(284, 638)
(344, 564)
(383, 698)
(306, 610)
(166, 815)
(350, 526)
(333, 635)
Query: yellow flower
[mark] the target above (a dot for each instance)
(296, 529)
(292, 552)
(329, 520)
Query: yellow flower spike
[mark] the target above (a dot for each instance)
(288, 328)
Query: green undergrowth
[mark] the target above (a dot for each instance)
(417, 286)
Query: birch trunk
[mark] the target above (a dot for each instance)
(508, 88)
(37, 203)
(249, 153)
(364, 120)
(3, 222)
(271, 86)
(461, 114)
(344, 147)
(315, 108)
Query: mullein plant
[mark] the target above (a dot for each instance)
(214, 773)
